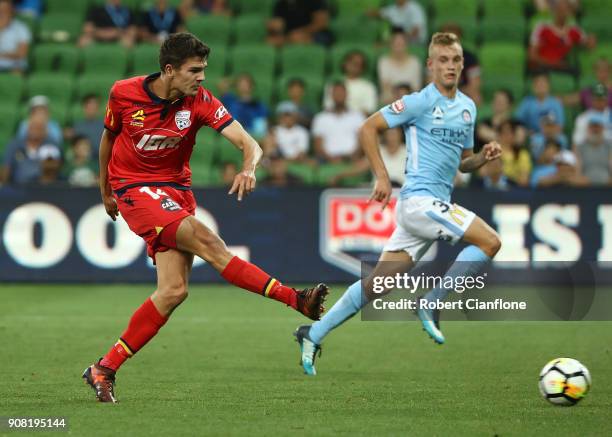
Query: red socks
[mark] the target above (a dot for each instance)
(143, 326)
(250, 277)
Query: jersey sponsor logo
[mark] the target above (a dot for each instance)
(451, 136)
(220, 113)
(157, 142)
(398, 106)
(138, 118)
(467, 117)
(170, 205)
(438, 115)
(182, 119)
(351, 225)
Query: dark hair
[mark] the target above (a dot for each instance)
(88, 96)
(77, 138)
(508, 94)
(540, 73)
(352, 53)
(296, 81)
(179, 47)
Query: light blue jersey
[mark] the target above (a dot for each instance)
(437, 130)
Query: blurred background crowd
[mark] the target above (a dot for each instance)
(302, 75)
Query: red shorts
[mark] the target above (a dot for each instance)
(148, 210)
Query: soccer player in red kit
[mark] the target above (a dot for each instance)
(150, 128)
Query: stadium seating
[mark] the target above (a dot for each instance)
(263, 8)
(56, 86)
(249, 29)
(76, 7)
(214, 30)
(313, 92)
(454, 9)
(354, 7)
(52, 57)
(468, 24)
(145, 59)
(60, 27)
(105, 59)
(508, 30)
(303, 60)
(587, 58)
(11, 89)
(599, 25)
(504, 9)
(305, 172)
(95, 84)
(498, 59)
(258, 60)
(9, 116)
(356, 29)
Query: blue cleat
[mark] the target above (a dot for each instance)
(430, 319)
(308, 348)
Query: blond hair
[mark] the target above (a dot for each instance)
(443, 39)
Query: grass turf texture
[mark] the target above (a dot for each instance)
(226, 364)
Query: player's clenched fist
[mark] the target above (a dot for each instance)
(110, 205)
(491, 150)
(244, 183)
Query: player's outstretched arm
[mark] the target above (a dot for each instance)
(244, 182)
(106, 148)
(471, 162)
(368, 138)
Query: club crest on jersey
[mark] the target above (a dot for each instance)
(138, 118)
(467, 117)
(398, 106)
(183, 119)
(438, 115)
(220, 113)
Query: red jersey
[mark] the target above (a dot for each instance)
(554, 45)
(155, 137)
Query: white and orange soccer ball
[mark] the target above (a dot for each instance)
(564, 381)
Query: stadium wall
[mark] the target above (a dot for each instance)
(299, 235)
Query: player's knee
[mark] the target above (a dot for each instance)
(492, 244)
(174, 293)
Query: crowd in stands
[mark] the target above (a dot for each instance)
(307, 117)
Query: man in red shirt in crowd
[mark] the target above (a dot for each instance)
(150, 128)
(551, 42)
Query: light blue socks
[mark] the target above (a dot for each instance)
(470, 261)
(347, 306)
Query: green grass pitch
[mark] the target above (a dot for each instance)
(226, 364)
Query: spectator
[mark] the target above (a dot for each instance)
(487, 130)
(29, 8)
(557, 168)
(550, 131)
(602, 74)
(80, 168)
(23, 157)
(551, 43)
(533, 107)
(515, 158)
(296, 91)
(301, 22)
(361, 93)
(407, 15)
(398, 67)
(160, 20)
(278, 176)
(247, 109)
(599, 107)
(50, 158)
(470, 81)
(335, 130)
(92, 123)
(288, 139)
(189, 8)
(492, 177)
(595, 153)
(39, 108)
(400, 90)
(110, 22)
(394, 155)
(15, 40)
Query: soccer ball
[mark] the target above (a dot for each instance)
(564, 381)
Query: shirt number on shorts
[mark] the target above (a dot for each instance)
(453, 211)
(157, 195)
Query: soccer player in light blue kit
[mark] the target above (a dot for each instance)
(438, 123)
